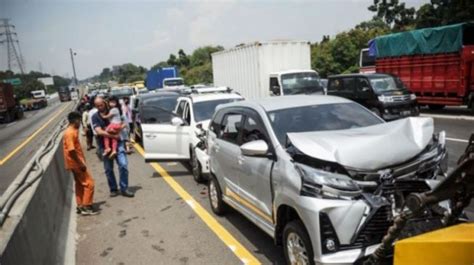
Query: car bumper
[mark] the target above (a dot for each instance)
(398, 112)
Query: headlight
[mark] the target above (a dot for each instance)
(383, 98)
(316, 182)
(412, 96)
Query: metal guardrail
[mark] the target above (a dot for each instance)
(25, 179)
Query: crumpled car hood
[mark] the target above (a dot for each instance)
(368, 148)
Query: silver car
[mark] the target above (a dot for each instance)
(322, 175)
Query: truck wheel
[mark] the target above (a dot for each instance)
(218, 206)
(436, 106)
(296, 244)
(196, 168)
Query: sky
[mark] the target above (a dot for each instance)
(105, 33)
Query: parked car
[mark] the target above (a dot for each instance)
(383, 94)
(184, 131)
(322, 175)
(152, 108)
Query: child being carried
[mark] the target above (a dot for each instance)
(114, 127)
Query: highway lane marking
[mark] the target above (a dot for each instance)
(457, 140)
(450, 117)
(237, 248)
(27, 140)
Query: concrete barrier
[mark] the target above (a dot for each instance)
(38, 229)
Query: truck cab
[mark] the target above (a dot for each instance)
(294, 82)
(173, 82)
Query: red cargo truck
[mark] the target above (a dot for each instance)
(9, 107)
(437, 64)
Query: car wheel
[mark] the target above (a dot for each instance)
(196, 167)
(218, 206)
(296, 244)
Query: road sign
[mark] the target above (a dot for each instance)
(13, 81)
(47, 81)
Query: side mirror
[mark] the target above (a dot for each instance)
(254, 148)
(177, 121)
(275, 90)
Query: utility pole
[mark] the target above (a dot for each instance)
(73, 66)
(9, 37)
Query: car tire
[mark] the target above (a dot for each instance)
(218, 206)
(196, 167)
(297, 244)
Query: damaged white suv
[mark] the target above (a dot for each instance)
(322, 175)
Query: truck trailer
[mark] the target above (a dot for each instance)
(262, 69)
(437, 64)
(10, 110)
(163, 77)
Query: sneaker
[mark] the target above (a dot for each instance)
(128, 194)
(86, 211)
(114, 193)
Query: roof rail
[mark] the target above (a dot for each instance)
(207, 90)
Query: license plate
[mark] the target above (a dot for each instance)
(405, 113)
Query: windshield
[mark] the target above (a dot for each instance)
(121, 92)
(204, 110)
(386, 83)
(301, 83)
(173, 82)
(158, 109)
(325, 117)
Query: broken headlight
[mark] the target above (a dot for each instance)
(316, 182)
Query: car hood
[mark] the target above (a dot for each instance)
(368, 148)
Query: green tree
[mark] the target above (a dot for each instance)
(172, 60)
(444, 12)
(394, 14)
(183, 60)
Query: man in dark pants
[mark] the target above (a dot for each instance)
(99, 125)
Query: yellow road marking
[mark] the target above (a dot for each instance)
(27, 140)
(240, 251)
(248, 204)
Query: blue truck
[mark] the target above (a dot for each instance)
(163, 77)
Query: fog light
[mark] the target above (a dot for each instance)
(330, 244)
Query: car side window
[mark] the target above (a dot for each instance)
(253, 130)
(362, 83)
(180, 109)
(335, 85)
(231, 128)
(348, 84)
(187, 113)
(216, 123)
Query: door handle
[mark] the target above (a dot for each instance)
(150, 136)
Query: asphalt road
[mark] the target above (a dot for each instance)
(20, 139)
(163, 226)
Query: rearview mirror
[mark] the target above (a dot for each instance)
(254, 148)
(177, 121)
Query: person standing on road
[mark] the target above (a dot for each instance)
(99, 125)
(127, 119)
(100, 147)
(86, 127)
(76, 163)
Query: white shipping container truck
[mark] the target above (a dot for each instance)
(261, 69)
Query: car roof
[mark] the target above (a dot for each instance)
(213, 96)
(359, 75)
(149, 95)
(286, 102)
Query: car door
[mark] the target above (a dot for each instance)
(254, 181)
(226, 149)
(162, 140)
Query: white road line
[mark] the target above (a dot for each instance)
(451, 117)
(457, 140)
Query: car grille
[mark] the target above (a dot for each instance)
(373, 230)
(401, 98)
